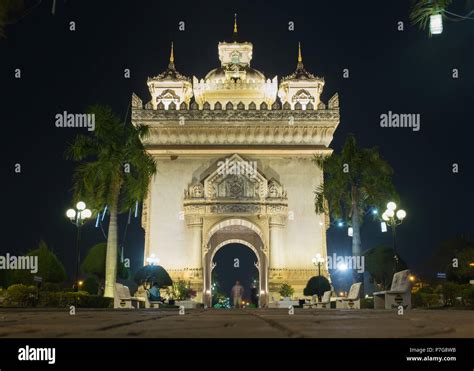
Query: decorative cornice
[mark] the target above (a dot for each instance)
(144, 115)
(260, 135)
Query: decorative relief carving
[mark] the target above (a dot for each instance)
(333, 103)
(136, 101)
(232, 189)
(235, 208)
(196, 190)
(235, 178)
(277, 209)
(283, 274)
(252, 114)
(275, 190)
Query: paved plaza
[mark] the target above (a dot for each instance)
(245, 323)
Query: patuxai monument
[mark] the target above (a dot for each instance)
(234, 153)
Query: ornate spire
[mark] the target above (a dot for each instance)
(171, 64)
(300, 58)
(235, 27)
(300, 73)
(171, 73)
(235, 23)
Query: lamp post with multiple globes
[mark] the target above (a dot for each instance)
(78, 217)
(393, 218)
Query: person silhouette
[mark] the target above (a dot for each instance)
(237, 293)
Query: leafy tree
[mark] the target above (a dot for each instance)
(91, 285)
(114, 170)
(462, 271)
(153, 274)
(12, 11)
(442, 260)
(50, 269)
(6, 278)
(180, 290)
(286, 290)
(354, 180)
(7, 7)
(94, 263)
(317, 285)
(380, 264)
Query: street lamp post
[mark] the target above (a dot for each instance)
(393, 219)
(77, 217)
(318, 260)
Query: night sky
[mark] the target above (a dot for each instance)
(405, 72)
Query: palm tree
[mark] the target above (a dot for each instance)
(114, 170)
(422, 10)
(355, 180)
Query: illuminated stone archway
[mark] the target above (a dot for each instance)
(258, 265)
(235, 230)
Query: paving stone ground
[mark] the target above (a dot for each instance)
(245, 323)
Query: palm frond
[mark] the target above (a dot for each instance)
(421, 11)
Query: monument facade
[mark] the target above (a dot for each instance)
(234, 157)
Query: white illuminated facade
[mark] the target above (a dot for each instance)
(234, 155)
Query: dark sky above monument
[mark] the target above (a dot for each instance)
(390, 70)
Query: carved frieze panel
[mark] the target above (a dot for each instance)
(235, 209)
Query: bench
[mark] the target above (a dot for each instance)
(399, 293)
(352, 301)
(187, 304)
(123, 299)
(143, 297)
(325, 300)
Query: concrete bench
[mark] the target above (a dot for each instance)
(186, 304)
(399, 293)
(325, 300)
(143, 297)
(352, 301)
(123, 299)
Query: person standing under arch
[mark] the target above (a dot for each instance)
(237, 292)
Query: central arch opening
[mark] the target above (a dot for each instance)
(235, 262)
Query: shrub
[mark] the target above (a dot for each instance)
(80, 299)
(425, 300)
(426, 290)
(468, 295)
(286, 290)
(180, 290)
(317, 285)
(91, 285)
(450, 290)
(22, 295)
(51, 287)
(49, 267)
(367, 303)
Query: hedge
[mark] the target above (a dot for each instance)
(28, 296)
(425, 300)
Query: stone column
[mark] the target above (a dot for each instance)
(277, 248)
(207, 274)
(195, 256)
(277, 255)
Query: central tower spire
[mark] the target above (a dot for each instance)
(171, 64)
(300, 57)
(234, 35)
